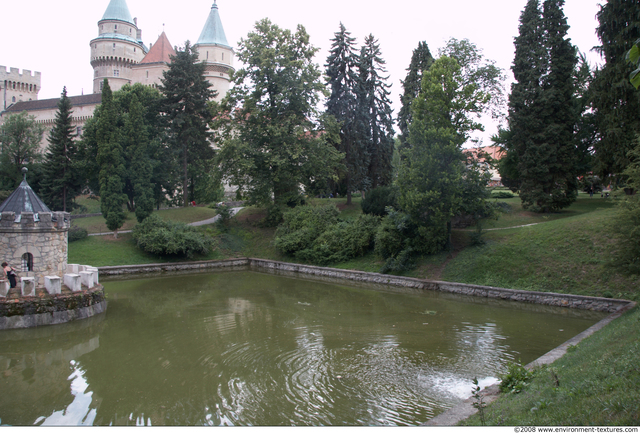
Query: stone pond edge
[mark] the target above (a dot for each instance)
(616, 307)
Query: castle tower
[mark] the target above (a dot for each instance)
(117, 48)
(16, 87)
(149, 71)
(214, 50)
(32, 238)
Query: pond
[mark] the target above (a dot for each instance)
(251, 348)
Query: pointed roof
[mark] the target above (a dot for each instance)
(118, 10)
(160, 52)
(213, 33)
(23, 199)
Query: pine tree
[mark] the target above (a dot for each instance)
(186, 94)
(62, 179)
(137, 138)
(111, 162)
(541, 141)
(377, 106)
(343, 105)
(615, 101)
(421, 61)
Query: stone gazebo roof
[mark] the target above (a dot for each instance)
(23, 199)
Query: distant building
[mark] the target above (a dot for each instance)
(118, 55)
(495, 153)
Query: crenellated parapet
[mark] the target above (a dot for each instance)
(34, 222)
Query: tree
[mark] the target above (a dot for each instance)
(342, 104)
(542, 110)
(62, 180)
(615, 101)
(185, 105)
(432, 173)
(111, 162)
(374, 98)
(272, 139)
(20, 137)
(421, 61)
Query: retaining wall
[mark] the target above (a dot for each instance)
(542, 298)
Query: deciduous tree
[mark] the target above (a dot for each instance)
(20, 137)
(271, 136)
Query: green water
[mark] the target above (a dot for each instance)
(246, 348)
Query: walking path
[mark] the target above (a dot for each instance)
(499, 228)
(234, 210)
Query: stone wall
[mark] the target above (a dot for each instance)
(45, 237)
(332, 274)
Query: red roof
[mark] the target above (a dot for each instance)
(160, 52)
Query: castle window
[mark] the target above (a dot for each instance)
(207, 55)
(79, 131)
(101, 84)
(27, 262)
(116, 72)
(114, 45)
(222, 56)
(147, 74)
(13, 99)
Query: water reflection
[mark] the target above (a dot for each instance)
(256, 349)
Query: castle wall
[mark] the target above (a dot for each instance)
(16, 86)
(44, 239)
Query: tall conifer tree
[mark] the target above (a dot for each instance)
(111, 162)
(186, 94)
(615, 101)
(377, 106)
(344, 84)
(62, 179)
(421, 61)
(542, 114)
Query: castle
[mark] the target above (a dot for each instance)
(118, 55)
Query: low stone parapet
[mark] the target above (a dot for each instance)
(53, 285)
(28, 286)
(4, 288)
(72, 281)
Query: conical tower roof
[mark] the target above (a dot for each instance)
(118, 10)
(161, 51)
(23, 199)
(213, 33)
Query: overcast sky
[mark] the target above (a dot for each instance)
(53, 37)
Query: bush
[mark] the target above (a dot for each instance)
(378, 199)
(302, 225)
(168, 238)
(515, 379)
(501, 194)
(224, 214)
(342, 241)
(626, 226)
(77, 233)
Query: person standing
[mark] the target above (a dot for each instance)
(10, 273)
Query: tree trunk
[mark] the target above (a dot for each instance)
(185, 181)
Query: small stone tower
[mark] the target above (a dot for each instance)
(214, 50)
(32, 238)
(117, 48)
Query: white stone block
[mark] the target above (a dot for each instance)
(28, 286)
(72, 281)
(4, 288)
(53, 285)
(95, 274)
(87, 279)
(73, 269)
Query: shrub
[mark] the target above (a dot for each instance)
(515, 379)
(168, 238)
(378, 199)
(626, 226)
(77, 233)
(501, 194)
(302, 225)
(224, 214)
(342, 241)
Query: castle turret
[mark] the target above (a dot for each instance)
(117, 48)
(214, 50)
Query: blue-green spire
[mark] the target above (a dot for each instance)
(213, 33)
(118, 10)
